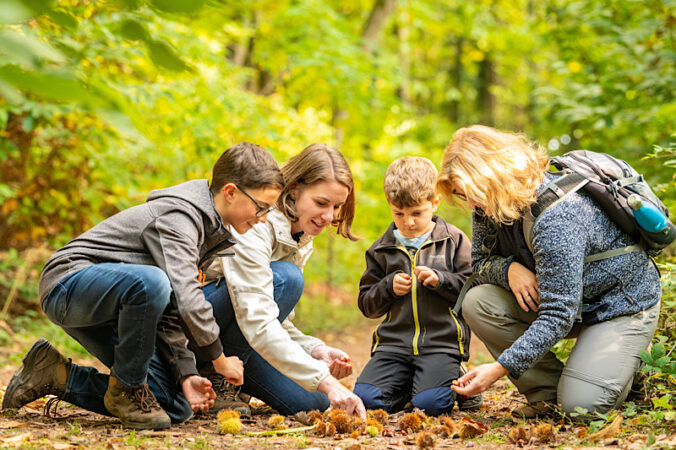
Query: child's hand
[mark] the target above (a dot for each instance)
(198, 392)
(401, 284)
(427, 276)
(231, 368)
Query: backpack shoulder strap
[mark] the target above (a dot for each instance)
(566, 183)
(553, 193)
(461, 296)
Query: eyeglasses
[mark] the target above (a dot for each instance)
(460, 195)
(262, 210)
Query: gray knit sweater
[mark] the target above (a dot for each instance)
(602, 290)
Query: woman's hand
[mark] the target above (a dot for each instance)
(337, 360)
(231, 367)
(401, 284)
(524, 286)
(479, 379)
(198, 392)
(341, 398)
(427, 276)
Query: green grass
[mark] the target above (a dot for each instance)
(31, 326)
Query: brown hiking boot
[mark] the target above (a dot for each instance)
(227, 395)
(135, 407)
(537, 410)
(44, 371)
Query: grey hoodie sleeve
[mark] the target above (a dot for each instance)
(173, 241)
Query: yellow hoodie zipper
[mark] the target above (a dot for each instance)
(460, 335)
(414, 304)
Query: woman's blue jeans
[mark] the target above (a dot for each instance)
(261, 380)
(112, 310)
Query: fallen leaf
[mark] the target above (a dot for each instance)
(609, 431)
(17, 439)
(12, 424)
(468, 428)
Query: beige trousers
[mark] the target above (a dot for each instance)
(600, 369)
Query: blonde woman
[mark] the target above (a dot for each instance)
(529, 301)
(255, 290)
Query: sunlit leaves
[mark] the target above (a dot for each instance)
(26, 50)
(14, 11)
(133, 30)
(164, 55)
(177, 6)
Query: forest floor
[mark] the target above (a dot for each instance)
(490, 427)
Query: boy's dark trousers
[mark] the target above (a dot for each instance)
(391, 380)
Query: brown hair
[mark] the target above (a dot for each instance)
(315, 164)
(247, 165)
(410, 181)
(498, 170)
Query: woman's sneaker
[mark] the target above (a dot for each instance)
(44, 371)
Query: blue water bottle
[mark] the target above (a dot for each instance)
(652, 220)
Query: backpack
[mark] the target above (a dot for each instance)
(609, 182)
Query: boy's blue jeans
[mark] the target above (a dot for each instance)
(261, 380)
(112, 310)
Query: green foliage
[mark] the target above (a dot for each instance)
(315, 315)
(658, 362)
(101, 102)
(29, 326)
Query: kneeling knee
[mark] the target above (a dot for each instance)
(180, 413)
(369, 394)
(155, 287)
(291, 274)
(435, 401)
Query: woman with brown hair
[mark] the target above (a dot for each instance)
(263, 281)
(531, 300)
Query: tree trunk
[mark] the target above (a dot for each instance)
(402, 33)
(240, 52)
(486, 101)
(376, 21)
(456, 79)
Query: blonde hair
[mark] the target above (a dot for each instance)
(498, 170)
(410, 181)
(315, 164)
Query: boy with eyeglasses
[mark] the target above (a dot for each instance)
(119, 288)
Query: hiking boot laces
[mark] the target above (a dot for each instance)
(222, 387)
(145, 399)
(51, 408)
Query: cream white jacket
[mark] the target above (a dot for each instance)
(249, 279)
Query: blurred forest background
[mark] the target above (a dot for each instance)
(103, 101)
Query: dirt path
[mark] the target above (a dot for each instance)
(76, 428)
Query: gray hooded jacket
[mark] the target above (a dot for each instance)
(178, 230)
